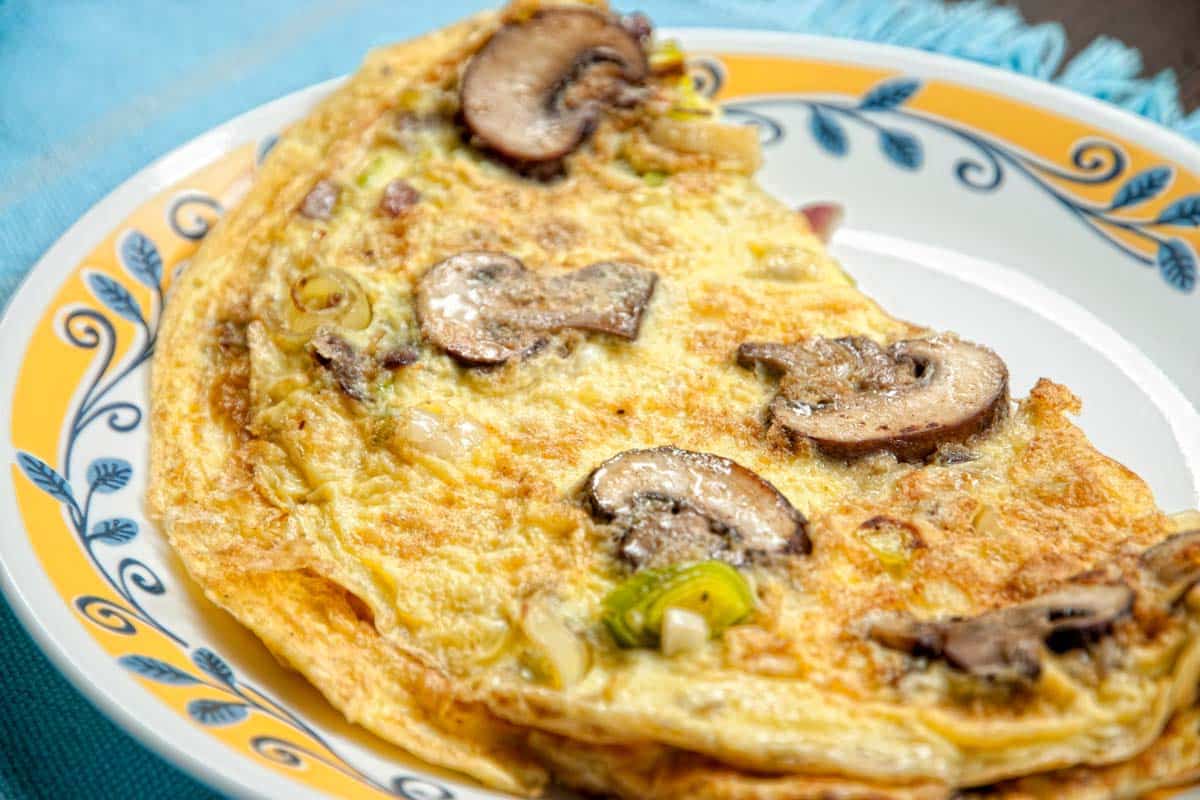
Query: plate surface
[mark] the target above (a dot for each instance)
(1060, 231)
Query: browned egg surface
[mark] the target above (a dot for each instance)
(409, 530)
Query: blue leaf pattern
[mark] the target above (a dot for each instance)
(214, 665)
(119, 530)
(141, 259)
(116, 363)
(107, 475)
(889, 95)
(417, 789)
(115, 296)
(1142, 187)
(44, 477)
(1177, 263)
(1091, 162)
(265, 147)
(903, 150)
(156, 670)
(216, 712)
(828, 133)
(1184, 211)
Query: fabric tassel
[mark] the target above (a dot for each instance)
(981, 31)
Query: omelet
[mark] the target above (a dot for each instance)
(510, 411)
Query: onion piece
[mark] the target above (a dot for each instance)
(734, 147)
(566, 655)
(329, 297)
(683, 631)
(667, 58)
(437, 436)
(1184, 521)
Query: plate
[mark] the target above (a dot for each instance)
(1060, 230)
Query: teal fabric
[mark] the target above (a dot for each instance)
(53, 744)
(91, 91)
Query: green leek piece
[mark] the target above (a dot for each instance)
(370, 172)
(716, 591)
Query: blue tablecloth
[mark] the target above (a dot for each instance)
(92, 91)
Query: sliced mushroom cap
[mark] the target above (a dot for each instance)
(851, 397)
(484, 308)
(674, 505)
(1175, 563)
(536, 89)
(1005, 644)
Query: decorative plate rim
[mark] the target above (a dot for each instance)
(1041, 94)
(61, 257)
(154, 725)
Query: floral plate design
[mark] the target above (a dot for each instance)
(1062, 231)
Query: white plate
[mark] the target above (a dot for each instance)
(1044, 223)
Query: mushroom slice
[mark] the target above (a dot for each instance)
(536, 89)
(347, 366)
(397, 357)
(675, 506)
(320, 200)
(1175, 563)
(851, 397)
(1005, 645)
(485, 308)
(823, 219)
(398, 197)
